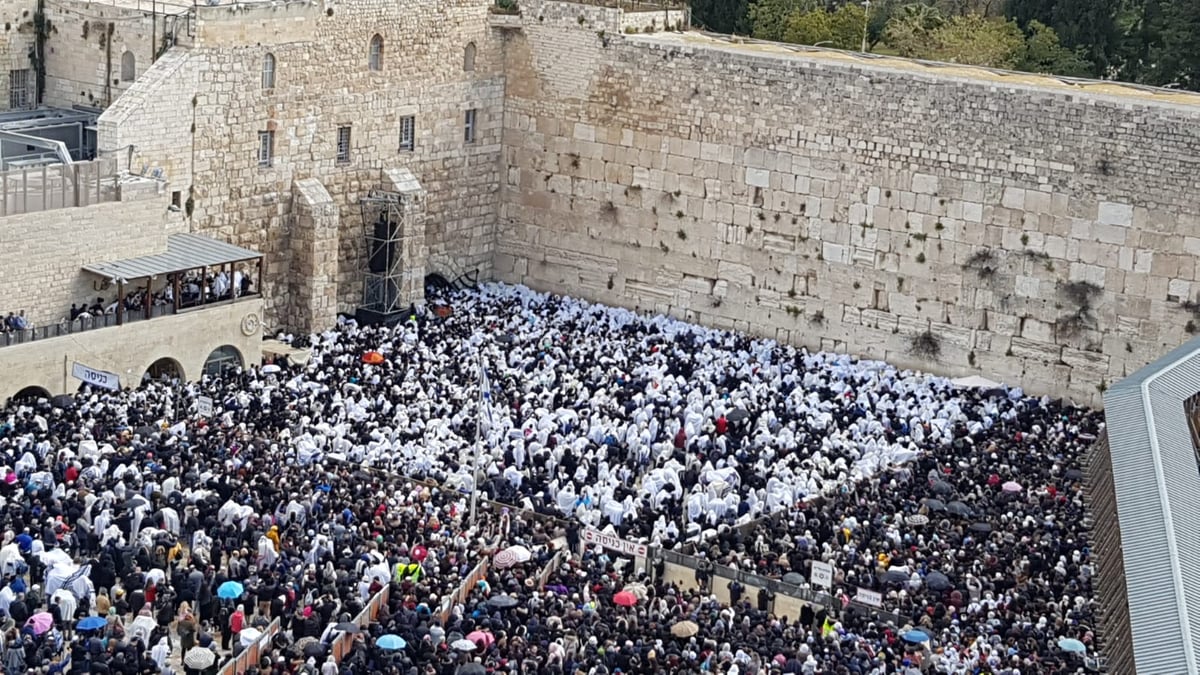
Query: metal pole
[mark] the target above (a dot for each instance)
(478, 446)
(866, 20)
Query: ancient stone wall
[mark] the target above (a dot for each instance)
(91, 47)
(323, 82)
(15, 44)
(52, 247)
(188, 338)
(953, 220)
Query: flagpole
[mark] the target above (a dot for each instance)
(478, 446)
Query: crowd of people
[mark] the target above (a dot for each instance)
(137, 541)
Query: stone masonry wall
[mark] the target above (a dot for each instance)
(52, 247)
(323, 82)
(15, 43)
(1040, 236)
(88, 43)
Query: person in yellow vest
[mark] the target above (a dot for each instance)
(829, 628)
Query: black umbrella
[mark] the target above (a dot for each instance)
(145, 432)
(63, 401)
(938, 582)
(982, 528)
(894, 577)
(793, 578)
(941, 487)
(959, 509)
(934, 504)
(1073, 474)
(502, 602)
(347, 627)
(506, 338)
(314, 649)
(471, 669)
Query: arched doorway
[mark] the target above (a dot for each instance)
(222, 359)
(31, 393)
(164, 369)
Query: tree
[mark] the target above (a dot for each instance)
(1044, 53)
(842, 29)
(721, 16)
(974, 40)
(768, 18)
(808, 28)
(910, 30)
(1176, 58)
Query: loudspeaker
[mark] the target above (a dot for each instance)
(383, 247)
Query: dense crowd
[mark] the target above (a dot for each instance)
(137, 540)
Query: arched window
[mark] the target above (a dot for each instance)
(375, 61)
(128, 67)
(268, 71)
(469, 57)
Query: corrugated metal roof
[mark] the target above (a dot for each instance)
(1157, 481)
(184, 252)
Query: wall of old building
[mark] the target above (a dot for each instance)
(49, 248)
(323, 82)
(1029, 231)
(90, 45)
(187, 338)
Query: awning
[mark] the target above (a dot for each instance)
(276, 348)
(184, 252)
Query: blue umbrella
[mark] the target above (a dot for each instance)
(91, 623)
(915, 636)
(230, 590)
(1072, 645)
(391, 642)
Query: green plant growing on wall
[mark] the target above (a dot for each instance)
(681, 234)
(921, 257)
(793, 311)
(1080, 295)
(925, 345)
(817, 318)
(982, 262)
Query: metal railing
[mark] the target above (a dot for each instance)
(250, 656)
(464, 590)
(81, 325)
(345, 642)
(779, 587)
(57, 186)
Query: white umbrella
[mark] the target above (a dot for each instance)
(199, 658)
(975, 382)
(464, 645)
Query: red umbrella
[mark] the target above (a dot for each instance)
(419, 553)
(373, 358)
(625, 599)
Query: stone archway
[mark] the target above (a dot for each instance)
(31, 393)
(165, 368)
(222, 359)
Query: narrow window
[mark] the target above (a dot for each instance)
(268, 72)
(343, 145)
(266, 148)
(408, 128)
(128, 67)
(469, 126)
(20, 94)
(469, 57)
(375, 60)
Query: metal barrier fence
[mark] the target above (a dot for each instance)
(780, 587)
(345, 642)
(252, 654)
(56, 186)
(548, 570)
(464, 590)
